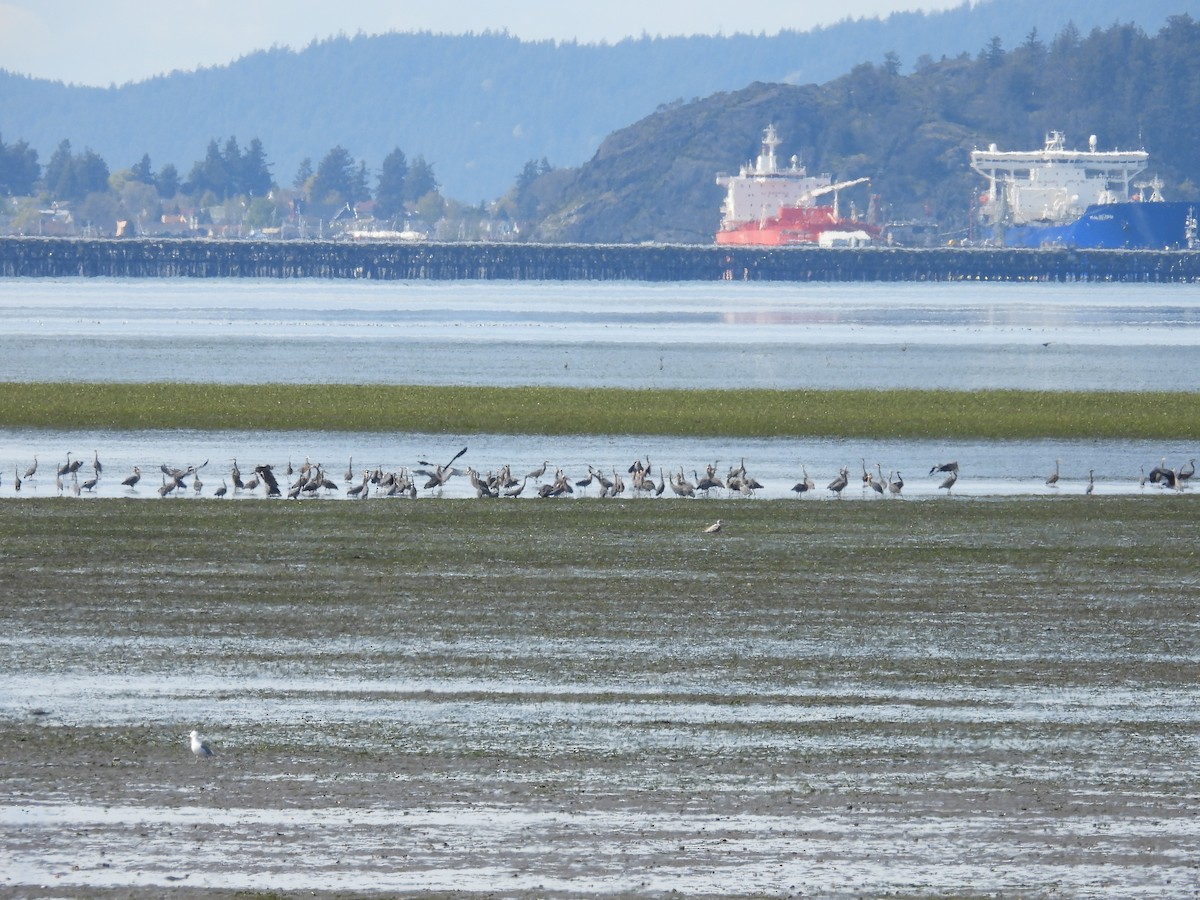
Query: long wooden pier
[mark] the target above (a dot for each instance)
(24, 257)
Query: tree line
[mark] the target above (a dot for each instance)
(83, 181)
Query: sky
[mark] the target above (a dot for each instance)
(116, 41)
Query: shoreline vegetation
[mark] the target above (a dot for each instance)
(899, 414)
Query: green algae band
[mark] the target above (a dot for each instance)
(996, 415)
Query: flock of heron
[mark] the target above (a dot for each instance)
(637, 480)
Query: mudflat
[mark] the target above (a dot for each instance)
(913, 698)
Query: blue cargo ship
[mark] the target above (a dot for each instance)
(1055, 197)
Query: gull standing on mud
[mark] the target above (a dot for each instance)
(200, 748)
(714, 528)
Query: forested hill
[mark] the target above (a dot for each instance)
(479, 107)
(910, 134)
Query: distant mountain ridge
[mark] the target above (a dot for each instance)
(479, 106)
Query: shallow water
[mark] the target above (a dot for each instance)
(987, 468)
(585, 334)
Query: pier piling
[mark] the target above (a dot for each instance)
(31, 257)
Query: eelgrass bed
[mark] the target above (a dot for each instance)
(997, 414)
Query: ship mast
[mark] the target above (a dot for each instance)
(766, 164)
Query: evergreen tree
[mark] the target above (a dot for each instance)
(19, 168)
(167, 181)
(389, 195)
(303, 174)
(59, 172)
(419, 181)
(91, 174)
(208, 174)
(526, 201)
(255, 171)
(361, 188)
(141, 171)
(231, 176)
(333, 184)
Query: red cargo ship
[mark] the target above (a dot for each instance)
(769, 206)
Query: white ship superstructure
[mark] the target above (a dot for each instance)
(1053, 185)
(759, 190)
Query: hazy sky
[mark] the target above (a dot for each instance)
(114, 41)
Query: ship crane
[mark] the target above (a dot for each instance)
(1155, 184)
(809, 199)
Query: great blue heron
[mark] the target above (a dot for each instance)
(359, 488)
(951, 466)
(222, 490)
(878, 485)
(804, 484)
(1052, 478)
(839, 484)
(133, 479)
(439, 476)
(1161, 474)
(267, 474)
(32, 470)
(1187, 470)
(948, 483)
(681, 486)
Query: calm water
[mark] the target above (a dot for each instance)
(693, 335)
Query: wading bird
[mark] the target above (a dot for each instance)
(1161, 474)
(839, 484)
(804, 484)
(1052, 478)
(1187, 470)
(945, 467)
(131, 480)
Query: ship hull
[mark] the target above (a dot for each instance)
(806, 226)
(1112, 226)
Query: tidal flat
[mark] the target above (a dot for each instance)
(966, 698)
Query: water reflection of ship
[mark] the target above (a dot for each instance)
(781, 317)
(769, 206)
